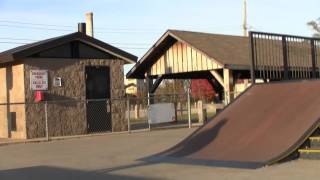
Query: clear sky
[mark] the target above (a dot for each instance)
(134, 25)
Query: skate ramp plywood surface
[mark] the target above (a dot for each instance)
(264, 125)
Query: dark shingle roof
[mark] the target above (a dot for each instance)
(230, 51)
(29, 49)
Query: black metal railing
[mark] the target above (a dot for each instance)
(277, 57)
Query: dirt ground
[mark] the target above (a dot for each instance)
(116, 156)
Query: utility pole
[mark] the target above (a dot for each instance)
(245, 26)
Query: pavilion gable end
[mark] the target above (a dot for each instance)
(180, 58)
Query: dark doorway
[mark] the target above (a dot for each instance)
(98, 98)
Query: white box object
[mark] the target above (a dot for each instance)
(161, 113)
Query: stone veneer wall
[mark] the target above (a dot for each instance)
(69, 118)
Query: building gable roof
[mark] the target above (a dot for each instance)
(229, 51)
(33, 48)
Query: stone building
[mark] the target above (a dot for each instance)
(69, 73)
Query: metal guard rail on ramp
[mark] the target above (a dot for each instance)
(283, 57)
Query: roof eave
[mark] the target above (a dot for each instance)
(6, 58)
(130, 58)
(238, 66)
(127, 57)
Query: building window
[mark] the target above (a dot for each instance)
(13, 117)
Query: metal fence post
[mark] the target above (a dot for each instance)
(189, 108)
(313, 58)
(128, 108)
(252, 56)
(109, 103)
(46, 118)
(285, 58)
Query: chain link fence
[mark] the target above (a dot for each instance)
(50, 119)
(139, 108)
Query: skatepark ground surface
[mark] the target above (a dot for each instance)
(116, 157)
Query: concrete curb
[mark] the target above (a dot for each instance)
(39, 140)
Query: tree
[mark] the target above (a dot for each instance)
(202, 89)
(315, 25)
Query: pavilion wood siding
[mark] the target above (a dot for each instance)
(181, 58)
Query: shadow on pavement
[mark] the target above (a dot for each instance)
(57, 173)
(197, 162)
(192, 144)
(196, 141)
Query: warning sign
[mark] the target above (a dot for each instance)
(39, 80)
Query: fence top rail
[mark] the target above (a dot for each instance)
(164, 97)
(55, 101)
(283, 35)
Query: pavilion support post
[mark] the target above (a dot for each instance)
(228, 85)
(152, 87)
(150, 94)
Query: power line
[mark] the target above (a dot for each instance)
(250, 27)
(23, 43)
(34, 24)
(114, 43)
(9, 38)
(27, 25)
(130, 44)
(55, 25)
(18, 39)
(37, 28)
(122, 47)
(69, 30)
(105, 30)
(7, 42)
(126, 32)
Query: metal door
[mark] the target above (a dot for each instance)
(98, 98)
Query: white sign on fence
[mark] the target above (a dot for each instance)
(39, 80)
(161, 113)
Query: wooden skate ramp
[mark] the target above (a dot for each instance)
(264, 125)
